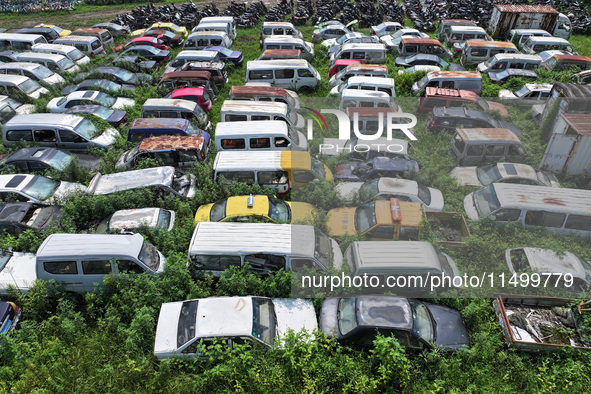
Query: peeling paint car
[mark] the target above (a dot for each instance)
(126, 221)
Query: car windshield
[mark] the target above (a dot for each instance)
(41, 188)
(279, 211)
(423, 326)
(423, 81)
(103, 112)
(125, 75)
(193, 131)
(363, 168)
(29, 86)
(130, 154)
(6, 113)
(346, 315)
(225, 51)
(293, 135)
(524, 91)
(61, 160)
(263, 322)
(365, 217)
(490, 62)
(149, 256)
(323, 249)
(104, 99)
(218, 211)
(65, 63)
(58, 30)
(317, 168)
(485, 200)
(424, 194)
(369, 189)
(103, 227)
(174, 27)
(75, 54)
(488, 174)
(86, 129)
(483, 104)
(42, 72)
(164, 218)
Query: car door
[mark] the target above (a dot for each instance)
(72, 141)
(45, 137)
(93, 273)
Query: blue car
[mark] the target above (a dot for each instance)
(361, 171)
(227, 55)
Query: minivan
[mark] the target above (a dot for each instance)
(464, 80)
(565, 62)
(56, 63)
(286, 42)
(153, 127)
(238, 110)
(377, 84)
(68, 51)
(264, 93)
(288, 74)
(102, 34)
(560, 210)
(503, 61)
(446, 24)
(399, 258)
(36, 72)
(280, 54)
(47, 32)
(363, 98)
(277, 170)
(204, 39)
(428, 46)
(12, 85)
(476, 146)
(535, 45)
(171, 108)
(221, 27)
(20, 41)
(191, 56)
(476, 51)
(360, 70)
(270, 29)
(366, 53)
(258, 135)
(85, 44)
(520, 36)
(82, 261)
(456, 34)
(216, 69)
(221, 19)
(62, 131)
(439, 97)
(182, 79)
(176, 151)
(216, 246)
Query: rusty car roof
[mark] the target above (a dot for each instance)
(258, 90)
(419, 41)
(572, 58)
(167, 142)
(530, 197)
(581, 123)
(155, 123)
(525, 8)
(455, 74)
(481, 43)
(487, 134)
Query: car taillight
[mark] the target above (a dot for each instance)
(457, 49)
(433, 123)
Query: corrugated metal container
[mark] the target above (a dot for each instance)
(506, 17)
(569, 149)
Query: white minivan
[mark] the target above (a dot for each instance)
(11, 84)
(56, 63)
(258, 135)
(242, 111)
(295, 74)
(68, 51)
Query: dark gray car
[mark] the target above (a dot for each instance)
(18, 217)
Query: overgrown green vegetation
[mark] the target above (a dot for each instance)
(103, 342)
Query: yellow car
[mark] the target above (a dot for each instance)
(182, 30)
(59, 30)
(260, 207)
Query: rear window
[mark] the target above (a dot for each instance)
(95, 44)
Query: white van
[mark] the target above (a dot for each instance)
(258, 135)
(560, 210)
(216, 246)
(359, 70)
(362, 98)
(242, 111)
(270, 29)
(464, 33)
(37, 72)
(85, 44)
(82, 261)
(11, 84)
(189, 56)
(102, 34)
(378, 84)
(520, 36)
(461, 80)
(503, 61)
(476, 51)
(535, 45)
(293, 74)
(205, 39)
(223, 27)
(366, 53)
(56, 63)
(221, 19)
(20, 41)
(68, 51)
(176, 108)
(287, 42)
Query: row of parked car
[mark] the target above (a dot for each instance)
(259, 140)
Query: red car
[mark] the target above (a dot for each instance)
(153, 41)
(339, 64)
(197, 95)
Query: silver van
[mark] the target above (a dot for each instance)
(476, 51)
(241, 111)
(377, 84)
(461, 80)
(221, 19)
(472, 147)
(456, 34)
(176, 108)
(222, 27)
(503, 61)
(68, 51)
(102, 34)
(36, 72)
(270, 29)
(258, 135)
(216, 246)
(63, 131)
(520, 36)
(11, 85)
(189, 56)
(535, 45)
(287, 42)
(20, 41)
(366, 99)
(56, 63)
(366, 53)
(293, 74)
(204, 39)
(85, 44)
(360, 70)
(82, 261)
(560, 210)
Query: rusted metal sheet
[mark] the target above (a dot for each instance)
(89, 30)
(421, 41)
(170, 143)
(506, 17)
(486, 44)
(249, 91)
(155, 123)
(483, 134)
(287, 53)
(526, 8)
(455, 74)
